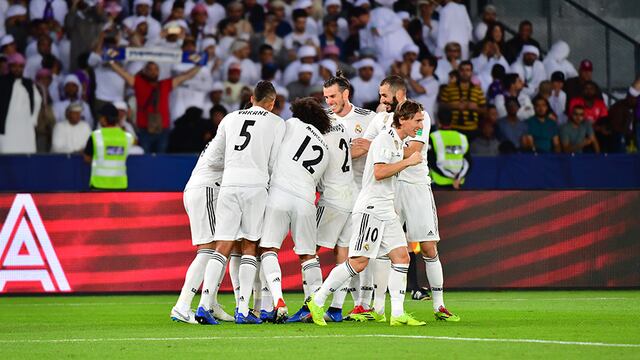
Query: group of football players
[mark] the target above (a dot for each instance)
(258, 179)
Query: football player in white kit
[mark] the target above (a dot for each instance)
(302, 161)
(414, 202)
(376, 227)
(251, 139)
(199, 198)
(337, 197)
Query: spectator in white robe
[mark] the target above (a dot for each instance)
(449, 62)
(306, 55)
(143, 8)
(215, 11)
(71, 135)
(454, 26)
(20, 103)
(484, 62)
(365, 85)
(240, 52)
(556, 60)
(426, 8)
(384, 32)
(333, 8)
(489, 16)
(72, 93)
(530, 69)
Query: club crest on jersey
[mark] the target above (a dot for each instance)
(358, 128)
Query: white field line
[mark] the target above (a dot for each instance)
(450, 300)
(300, 337)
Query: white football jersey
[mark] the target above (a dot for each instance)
(418, 174)
(376, 197)
(356, 122)
(209, 168)
(251, 139)
(302, 160)
(336, 186)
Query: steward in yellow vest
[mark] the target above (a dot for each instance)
(107, 151)
(448, 156)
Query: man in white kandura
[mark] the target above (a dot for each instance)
(251, 139)
(302, 161)
(414, 203)
(379, 231)
(200, 196)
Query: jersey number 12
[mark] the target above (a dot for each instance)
(308, 164)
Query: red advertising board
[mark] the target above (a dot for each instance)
(133, 242)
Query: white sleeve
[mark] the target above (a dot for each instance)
(216, 150)
(277, 141)
(381, 151)
(94, 60)
(376, 124)
(56, 140)
(500, 105)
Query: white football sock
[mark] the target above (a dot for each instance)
(381, 269)
(354, 289)
(366, 287)
(436, 280)
(247, 275)
(340, 295)
(338, 276)
(193, 279)
(397, 287)
(257, 290)
(272, 274)
(267, 299)
(312, 274)
(234, 272)
(214, 296)
(215, 267)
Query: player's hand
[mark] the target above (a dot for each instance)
(415, 158)
(456, 184)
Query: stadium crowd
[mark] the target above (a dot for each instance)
(503, 94)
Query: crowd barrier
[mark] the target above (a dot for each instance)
(47, 173)
(140, 241)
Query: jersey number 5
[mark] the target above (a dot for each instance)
(308, 164)
(247, 135)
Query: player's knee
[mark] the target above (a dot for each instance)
(304, 258)
(429, 249)
(225, 247)
(211, 245)
(358, 264)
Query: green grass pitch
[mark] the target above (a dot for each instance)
(495, 325)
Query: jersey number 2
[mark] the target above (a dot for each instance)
(308, 164)
(247, 135)
(344, 146)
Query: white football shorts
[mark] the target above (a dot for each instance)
(374, 238)
(200, 205)
(417, 210)
(286, 212)
(240, 213)
(334, 227)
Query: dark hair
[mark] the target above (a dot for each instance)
(309, 111)
(395, 82)
(498, 71)
(466, 62)
(444, 116)
(358, 11)
(217, 108)
(406, 110)
(329, 18)
(223, 24)
(264, 90)
(509, 79)
(511, 100)
(557, 76)
(573, 110)
(268, 71)
(524, 23)
(298, 13)
(264, 47)
(489, 33)
(110, 113)
(340, 80)
(542, 98)
(433, 61)
(178, 4)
